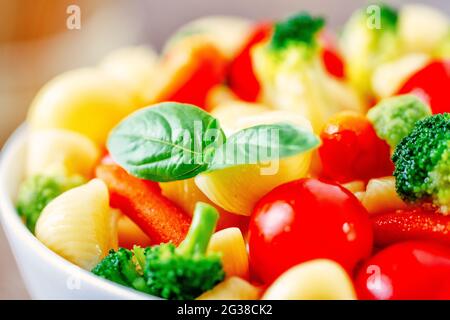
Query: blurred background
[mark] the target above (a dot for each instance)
(36, 45)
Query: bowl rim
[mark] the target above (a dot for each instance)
(10, 220)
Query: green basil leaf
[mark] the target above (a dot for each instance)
(166, 142)
(263, 143)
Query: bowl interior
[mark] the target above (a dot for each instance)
(32, 257)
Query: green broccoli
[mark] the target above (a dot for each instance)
(124, 267)
(300, 28)
(292, 75)
(168, 272)
(369, 39)
(422, 162)
(394, 118)
(37, 191)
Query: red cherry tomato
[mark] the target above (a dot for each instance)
(431, 84)
(351, 150)
(407, 270)
(410, 224)
(331, 57)
(241, 77)
(304, 220)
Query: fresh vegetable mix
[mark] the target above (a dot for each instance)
(254, 160)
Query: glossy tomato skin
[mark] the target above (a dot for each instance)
(241, 77)
(407, 270)
(351, 150)
(304, 220)
(431, 84)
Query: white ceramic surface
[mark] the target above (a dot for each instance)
(46, 275)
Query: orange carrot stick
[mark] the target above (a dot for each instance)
(141, 201)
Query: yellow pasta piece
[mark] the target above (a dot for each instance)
(381, 196)
(219, 95)
(61, 149)
(79, 225)
(87, 101)
(388, 77)
(233, 288)
(231, 246)
(238, 188)
(319, 279)
(134, 66)
(355, 186)
(184, 193)
(422, 28)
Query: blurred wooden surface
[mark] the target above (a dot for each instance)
(11, 284)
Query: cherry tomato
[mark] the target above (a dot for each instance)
(304, 220)
(431, 84)
(241, 77)
(410, 224)
(351, 150)
(407, 270)
(331, 57)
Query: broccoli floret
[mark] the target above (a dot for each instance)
(300, 28)
(168, 272)
(124, 267)
(185, 272)
(394, 118)
(37, 191)
(422, 162)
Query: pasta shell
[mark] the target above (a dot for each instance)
(422, 28)
(381, 196)
(78, 225)
(134, 66)
(56, 148)
(237, 189)
(313, 280)
(230, 244)
(232, 288)
(87, 101)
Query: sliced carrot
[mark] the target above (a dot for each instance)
(140, 200)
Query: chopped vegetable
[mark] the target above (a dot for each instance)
(430, 83)
(304, 220)
(351, 150)
(187, 271)
(394, 118)
(37, 191)
(123, 267)
(369, 38)
(292, 75)
(142, 202)
(168, 272)
(411, 224)
(241, 76)
(422, 162)
(188, 71)
(408, 270)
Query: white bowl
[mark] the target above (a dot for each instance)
(46, 275)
